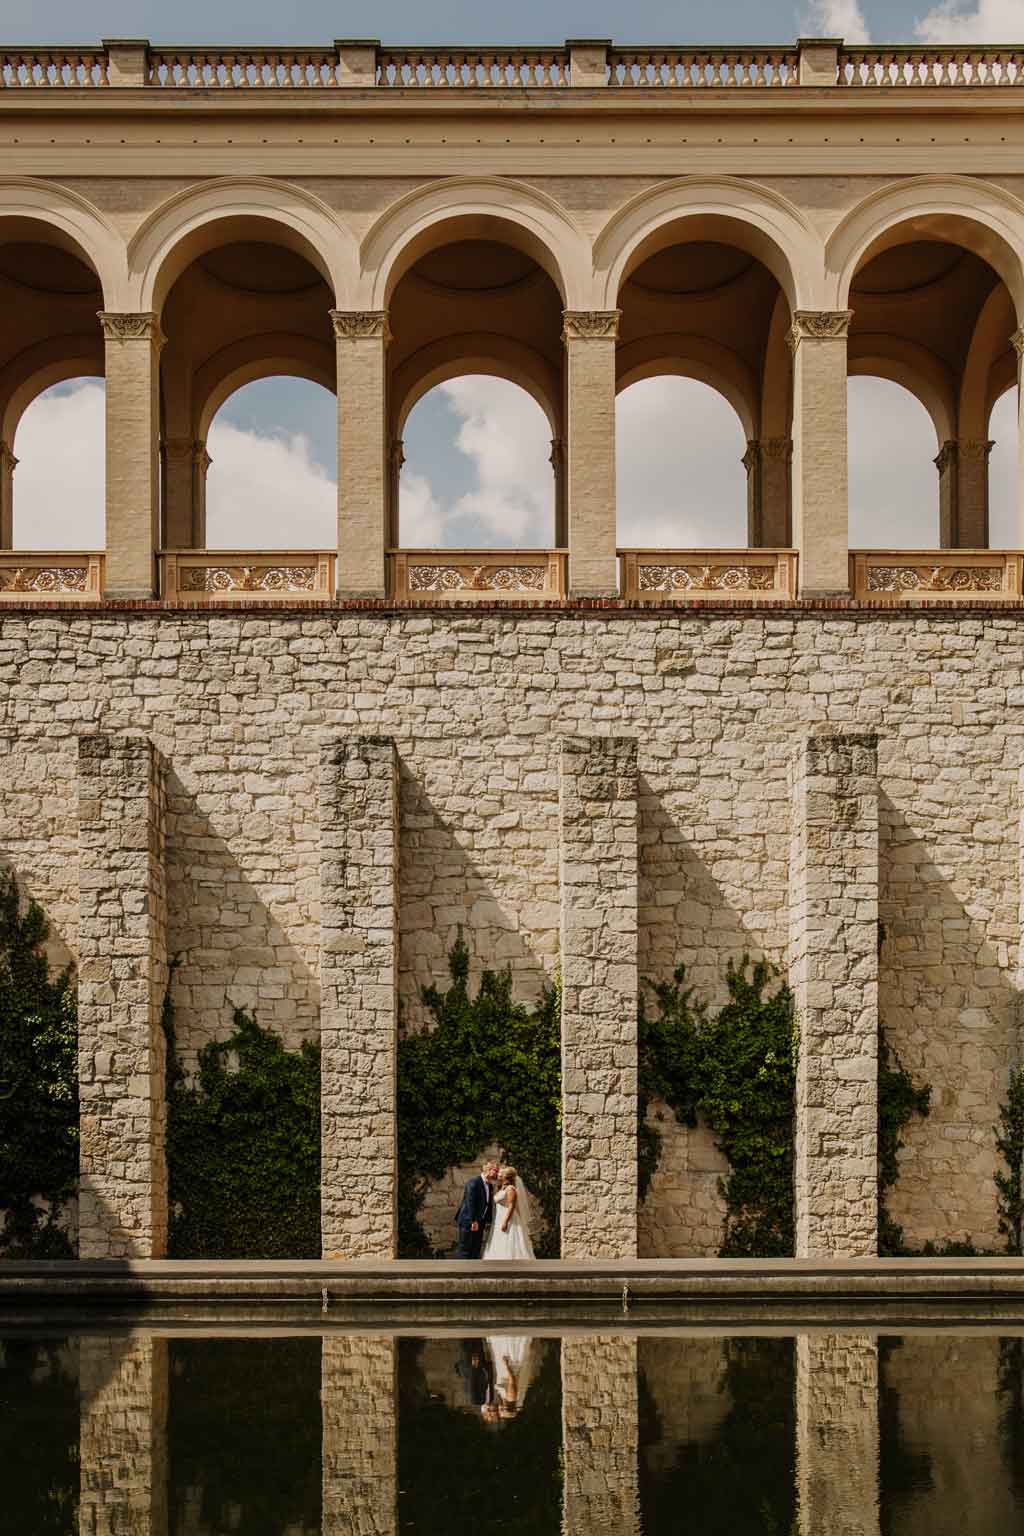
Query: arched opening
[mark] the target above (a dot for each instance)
(249, 335)
(1003, 469)
(51, 393)
(892, 448)
(271, 478)
(60, 449)
(475, 398)
(679, 454)
(478, 471)
(930, 312)
(703, 415)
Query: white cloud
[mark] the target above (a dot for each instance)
(836, 18)
(60, 478)
(506, 437)
(992, 21)
(267, 492)
(681, 481)
(1002, 472)
(894, 485)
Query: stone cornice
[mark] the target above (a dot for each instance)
(361, 325)
(590, 324)
(131, 327)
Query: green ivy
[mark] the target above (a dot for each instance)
(899, 1100)
(38, 1084)
(1010, 1146)
(487, 1071)
(243, 1147)
(736, 1068)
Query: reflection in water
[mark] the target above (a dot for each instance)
(827, 1434)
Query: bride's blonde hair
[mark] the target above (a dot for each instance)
(508, 1174)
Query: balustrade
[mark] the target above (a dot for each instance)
(958, 575)
(70, 67)
(475, 575)
(223, 575)
(231, 68)
(654, 575)
(924, 66)
(468, 69)
(702, 68)
(32, 576)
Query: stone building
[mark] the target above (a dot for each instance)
(302, 772)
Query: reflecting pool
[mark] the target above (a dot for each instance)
(161, 1432)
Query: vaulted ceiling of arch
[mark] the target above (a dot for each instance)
(925, 291)
(44, 292)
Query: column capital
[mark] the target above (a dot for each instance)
(779, 449)
(144, 326)
(1017, 342)
(590, 324)
(8, 459)
(819, 325)
(947, 455)
(976, 450)
(557, 456)
(752, 458)
(397, 453)
(361, 325)
(178, 447)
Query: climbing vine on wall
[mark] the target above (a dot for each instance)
(38, 1084)
(1010, 1146)
(737, 1068)
(899, 1100)
(488, 1070)
(243, 1147)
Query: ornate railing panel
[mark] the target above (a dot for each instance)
(71, 67)
(936, 575)
(231, 575)
(698, 68)
(926, 66)
(32, 576)
(657, 575)
(477, 575)
(472, 69)
(235, 68)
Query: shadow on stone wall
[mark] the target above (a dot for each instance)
(948, 1006)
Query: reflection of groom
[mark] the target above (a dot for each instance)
(475, 1213)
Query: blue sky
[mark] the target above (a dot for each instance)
(471, 21)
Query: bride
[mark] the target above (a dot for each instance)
(510, 1230)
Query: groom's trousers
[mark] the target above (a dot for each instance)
(470, 1243)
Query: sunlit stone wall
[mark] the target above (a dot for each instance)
(238, 706)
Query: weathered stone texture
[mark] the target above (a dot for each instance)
(837, 1434)
(122, 979)
(123, 1436)
(684, 1211)
(359, 1394)
(598, 797)
(238, 703)
(834, 974)
(600, 1436)
(359, 1008)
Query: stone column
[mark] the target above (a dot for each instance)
(972, 531)
(561, 510)
(176, 491)
(358, 989)
(837, 1443)
(1017, 339)
(8, 464)
(598, 854)
(751, 462)
(201, 462)
(123, 1483)
(132, 352)
(834, 975)
(776, 492)
(122, 977)
(600, 1436)
(363, 474)
(947, 462)
(397, 463)
(359, 1396)
(590, 339)
(818, 341)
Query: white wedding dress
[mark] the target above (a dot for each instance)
(515, 1243)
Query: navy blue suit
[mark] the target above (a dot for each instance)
(477, 1206)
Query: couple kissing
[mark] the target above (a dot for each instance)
(493, 1220)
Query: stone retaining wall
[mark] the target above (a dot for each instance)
(238, 706)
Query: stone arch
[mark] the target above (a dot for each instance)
(710, 208)
(496, 356)
(777, 375)
(39, 368)
(919, 372)
(200, 218)
(29, 206)
(692, 357)
(991, 366)
(958, 209)
(257, 357)
(460, 208)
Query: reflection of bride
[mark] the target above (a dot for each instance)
(509, 1236)
(511, 1356)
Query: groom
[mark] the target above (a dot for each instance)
(476, 1212)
